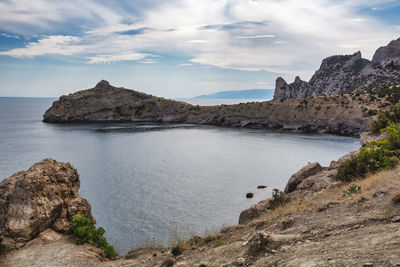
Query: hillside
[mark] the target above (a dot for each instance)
(346, 74)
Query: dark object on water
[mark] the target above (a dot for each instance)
(249, 195)
(261, 186)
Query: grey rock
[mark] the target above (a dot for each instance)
(396, 219)
(249, 215)
(345, 74)
(299, 176)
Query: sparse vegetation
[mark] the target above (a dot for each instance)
(278, 199)
(177, 250)
(84, 231)
(353, 189)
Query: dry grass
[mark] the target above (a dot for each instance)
(375, 183)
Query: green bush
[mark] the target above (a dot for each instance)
(84, 231)
(353, 189)
(385, 118)
(375, 156)
(177, 250)
(278, 199)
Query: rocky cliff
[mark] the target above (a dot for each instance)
(45, 197)
(346, 74)
(344, 115)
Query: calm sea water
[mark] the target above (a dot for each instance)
(149, 181)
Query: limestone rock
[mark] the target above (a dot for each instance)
(344, 74)
(45, 196)
(299, 176)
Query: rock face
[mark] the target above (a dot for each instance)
(344, 74)
(45, 196)
(105, 102)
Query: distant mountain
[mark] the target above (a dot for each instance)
(241, 94)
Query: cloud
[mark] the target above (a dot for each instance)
(184, 64)
(119, 57)
(256, 36)
(197, 41)
(51, 45)
(301, 33)
(9, 36)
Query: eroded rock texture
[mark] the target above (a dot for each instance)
(45, 196)
(346, 74)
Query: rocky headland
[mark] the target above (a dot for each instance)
(346, 74)
(336, 114)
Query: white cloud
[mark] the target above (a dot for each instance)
(118, 57)
(305, 32)
(256, 36)
(10, 36)
(198, 41)
(50, 45)
(184, 65)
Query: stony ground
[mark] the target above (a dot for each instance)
(324, 230)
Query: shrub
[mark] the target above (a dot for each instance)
(353, 189)
(177, 250)
(375, 156)
(84, 231)
(278, 199)
(210, 238)
(384, 119)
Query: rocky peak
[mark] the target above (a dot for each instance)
(391, 53)
(347, 73)
(102, 84)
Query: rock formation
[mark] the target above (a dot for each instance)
(45, 196)
(344, 74)
(342, 115)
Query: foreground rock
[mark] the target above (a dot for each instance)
(345, 74)
(45, 196)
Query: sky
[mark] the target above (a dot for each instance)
(180, 49)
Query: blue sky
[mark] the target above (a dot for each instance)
(181, 48)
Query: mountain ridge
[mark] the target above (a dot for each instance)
(346, 74)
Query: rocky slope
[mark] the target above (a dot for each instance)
(346, 74)
(304, 232)
(43, 198)
(344, 115)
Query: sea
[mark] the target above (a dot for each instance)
(151, 182)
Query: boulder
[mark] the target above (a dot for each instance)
(249, 195)
(249, 215)
(45, 196)
(307, 171)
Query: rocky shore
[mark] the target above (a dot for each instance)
(318, 227)
(339, 114)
